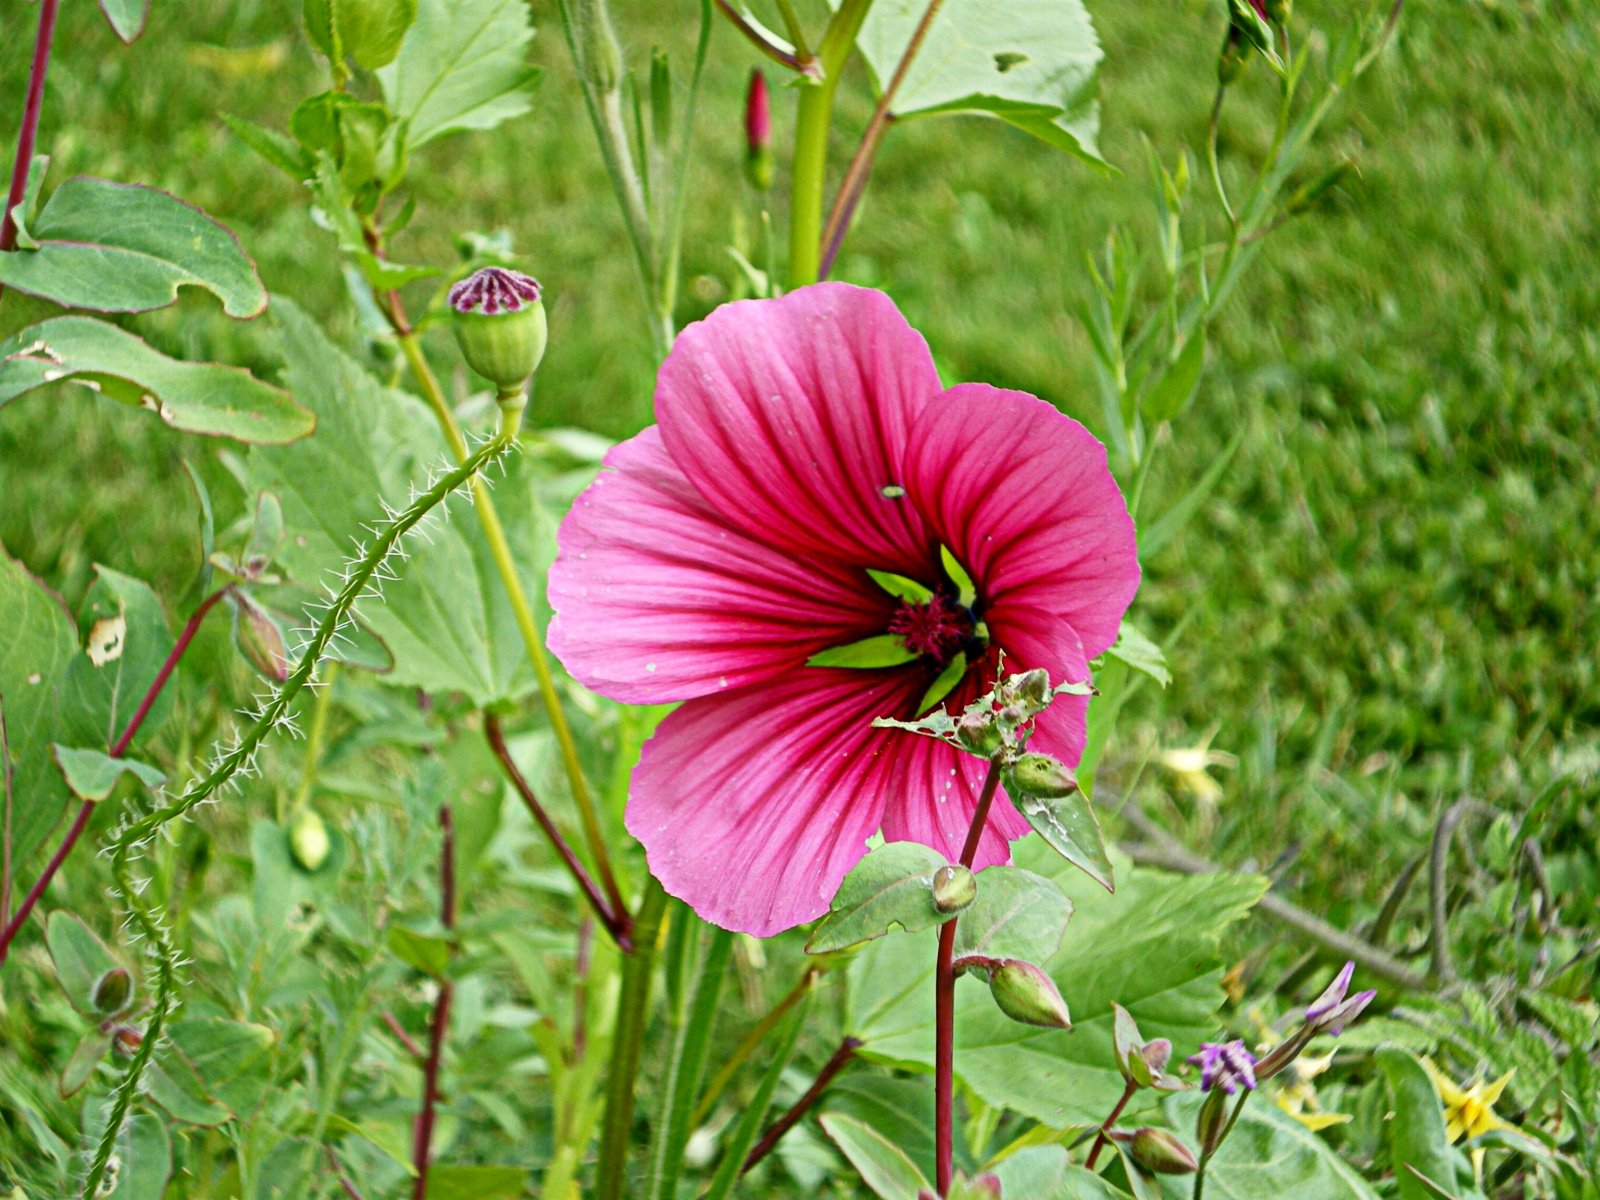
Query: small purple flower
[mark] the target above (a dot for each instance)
(1228, 1065)
(1331, 1012)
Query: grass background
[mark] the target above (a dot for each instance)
(1393, 597)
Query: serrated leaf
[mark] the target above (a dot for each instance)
(885, 650)
(882, 1165)
(125, 247)
(1172, 393)
(891, 888)
(1151, 947)
(126, 641)
(1031, 63)
(280, 151)
(37, 641)
(81, 958)
(1017, 914)
(92, 774)
(126, 18)
(369, 31)
(1140, 653)
(205, 398)
(463, 65)
(1068, 825)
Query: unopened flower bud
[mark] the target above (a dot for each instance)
(1025, 993)
(978, 732)
(954, 887)
(308, 839)
(1230, 63)
(1212, 1121)
(758, 164)
(1033, 689)
(599, 57)
(112, 991)
(1332, 1011)
(1040, 775)
(500, 327)
(260, 639)
(1277, 11)
(985, 1187)
(1162, 1152)
(126, 1040)
(1157, 1053)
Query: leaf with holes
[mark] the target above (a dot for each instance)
(125, 247)
(125, 643)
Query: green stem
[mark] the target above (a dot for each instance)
(627, 1044)
(812, 125)
(314, 738)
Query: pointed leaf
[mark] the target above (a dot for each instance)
(1179, 382)
(891, 888)
(125, 247)
(92, 774)
(1069, 826)
(86, 1057)
(1140, 653)
(1417, 1131)
(126, 18)
(1017, 915)
(908, 590)
(882, 1165)
(954, 672)
(125, 643)
(885, 650)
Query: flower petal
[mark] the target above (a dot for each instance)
(791, 416)
(1024, 498)
(657, 598)
(1032, 637)
(933, 799)
(753, 805)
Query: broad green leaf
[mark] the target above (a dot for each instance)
(37, 641)
(1031, 63)
(446, 1182)
(369, 31)
(463, 65)
(92, 774)
(87, 1055)
(891, 888)
(1268, 1156)
(125, 247)
(1046, 1173)
(1151, 947)
(445, 619)
(424, 952)
(1178, 383)
(231, 1058)
(205, 398)
(885, 650)
(1429, 1187)
(126, 17)
(882, 1165)
(173, 1084)
(900, 1109)
(1072, 830)
(1017, 915)
(81, 958)
(125, 643)
(1416, 1131)
(1140, 653)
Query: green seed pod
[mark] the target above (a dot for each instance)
(1040, 775)
(308, 839)
(1162, 1152)
(598, 54)
(500, 327)
(1212, 1121)
(1025, 993)
(978, 732)
(112, 991)
(954, 887)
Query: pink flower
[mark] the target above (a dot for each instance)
(803, 442)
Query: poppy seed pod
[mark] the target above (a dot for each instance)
(500, 326)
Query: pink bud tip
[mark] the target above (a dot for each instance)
(757, 113)
(494, 290)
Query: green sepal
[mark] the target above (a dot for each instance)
(884, 650)
(908, 590)
(946, 683)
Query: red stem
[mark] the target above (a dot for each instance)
(422, 1135)
(580, 991)
(755, 37)
(1100, 1138)
(403, 1037)
(30, 120)
(841, 1058)
(616, 919)
(152, 693)
(944, 1005)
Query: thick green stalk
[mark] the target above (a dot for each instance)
(627, 1044)
(812, 125)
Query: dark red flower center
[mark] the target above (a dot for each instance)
(937, 627)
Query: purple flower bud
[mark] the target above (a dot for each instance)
(1157, 1053)
(1225, 1065)
(1330, 1012)
(1333, 995)
(758, 161)
(1334, 1022)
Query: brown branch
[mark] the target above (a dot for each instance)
(841, 1058)
(422, 1134)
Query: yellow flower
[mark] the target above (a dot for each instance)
(1189, 764)
(1297, 1094)
(1468, 1111)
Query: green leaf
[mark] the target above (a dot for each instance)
(37, 641)
(1031, 63)
(1429, 1187)
(92, 774)
(421, 951)
(1140, 653)
(885, 650)
(87, 1056)
(174, 1085)
(81, 958)
(463, 65)
(126, 18)
(125, 643)
(1017, 915)
(231, 1058)
(1416, 1131)
(205, 398)
(908, 590)
(1175, 518)
(882, 1165)
(1151, 947)
(369, 31)
(966, 590)
(1172, 393)
(280, 151)
(125, 247)
(1269, 1155)
(476, 1183)
(900, 1109)
(1068, 824)
(891, 888)
(22, 212)
(954, 672)
(445, 619)
(145, 1158)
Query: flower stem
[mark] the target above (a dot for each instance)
(830, 1070)
(812, 124)
(758, 39)
(616, 921)
(422, 1136)
(855, 176)
(118, 749)
(1111, 1119)
(944, 1004)
(29, 130)
(505, 564)
(627, 1043)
